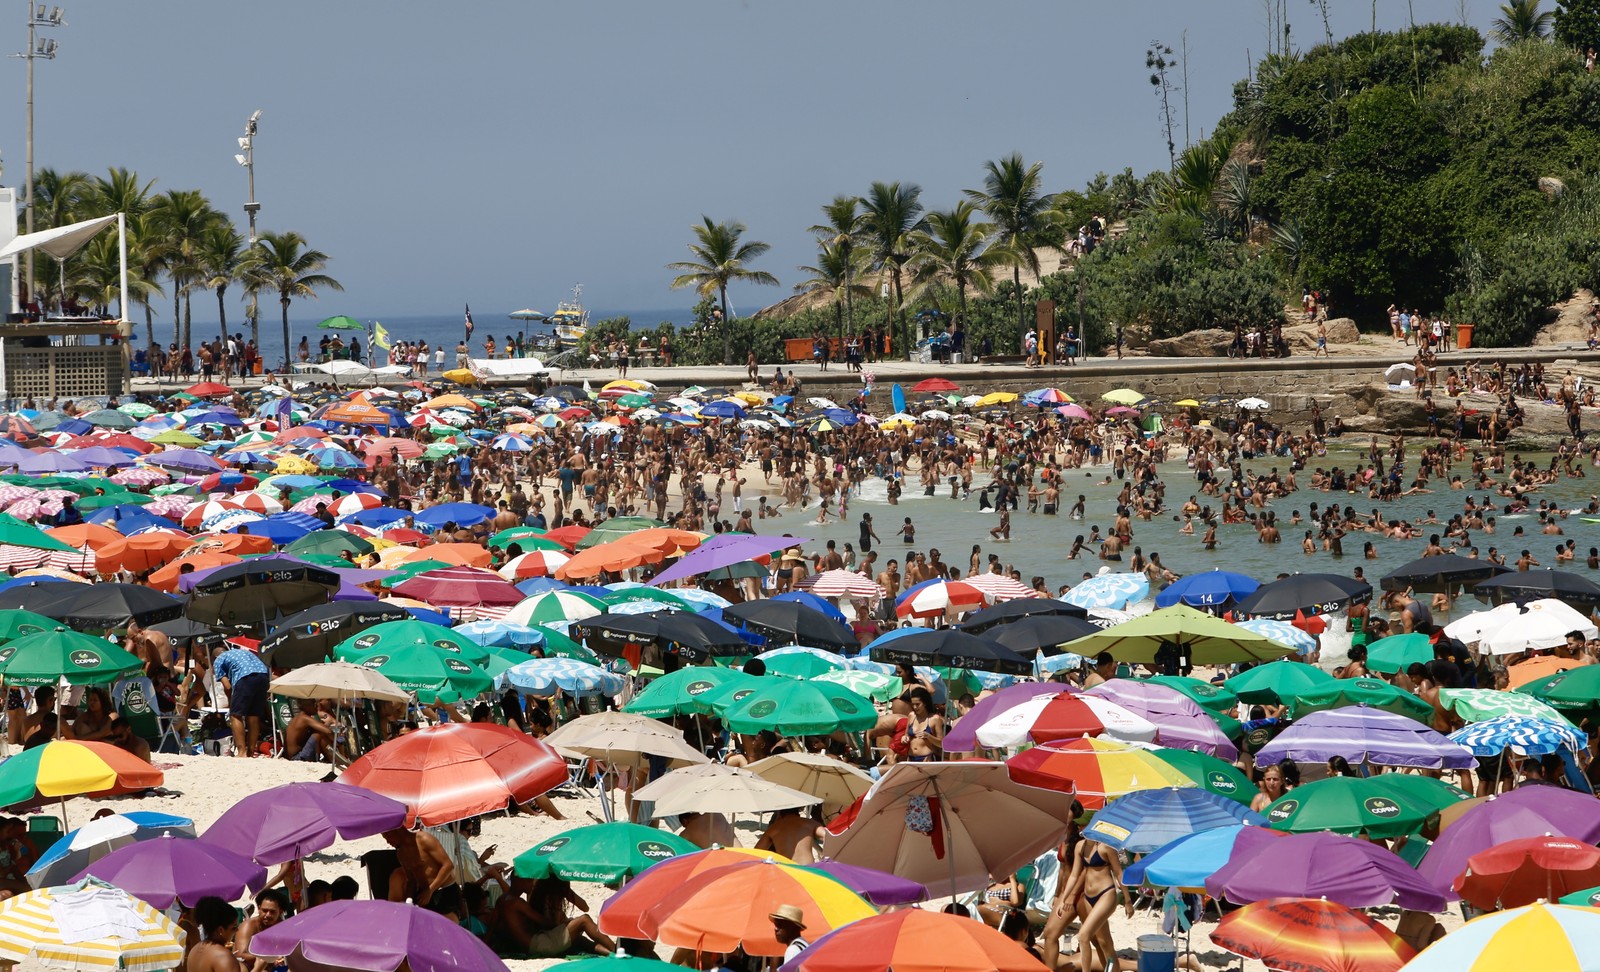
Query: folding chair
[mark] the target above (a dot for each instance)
(131, 696)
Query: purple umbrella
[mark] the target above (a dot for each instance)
(1364, 735)
(878, 887)
(1179, 720)
(167, 869)
(1341, 869)
(963, 736)
(291, 821)
(1532, 811)
(724, 551)
(350, 592)
(50, 461)
(377, 936)
(189, 460)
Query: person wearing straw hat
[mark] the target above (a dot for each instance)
(788, 921)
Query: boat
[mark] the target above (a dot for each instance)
(570, 321)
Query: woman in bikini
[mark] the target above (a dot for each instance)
(924, 728)
(1097, 882)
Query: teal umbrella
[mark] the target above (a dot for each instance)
(1397, 653)
(45, 657)
(603, 853)
(342, 322)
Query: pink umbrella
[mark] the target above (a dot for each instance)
(999, 587)
(476, 592)
(1122, 410)
(171, 507)
(1073, 412)
(10, 493)
(1180, 721)
(141, 476)
(841, 583)
(27, 508)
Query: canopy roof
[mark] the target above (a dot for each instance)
(61, 242)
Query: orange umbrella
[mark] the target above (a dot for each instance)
(80, 535)
(1537, 668)
(452, 401)
(166, 578)
(460, 554)
(916, 940)
(616, 556)
(1306, 933)
(299, 432)
(622, 912)
(141, 552)
(384, 445)
(235, 543)
(357, 413)
(673, 543)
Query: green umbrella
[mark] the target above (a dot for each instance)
(1211, 773)
(320, 559)
(110, 498)
(435, 675)
(1371, 692)
(110, 418)
(634, 401)
(1589, 898)
(15, 533)
(792, 708)
(342, 322)
(391, 636)
(1425, 790)
(138, 410)
(1213, 698)
(15, 624)
(1347, 805)
(676, 693)
(1575, 692)
(805, 664)
(440, 450)
(605, 853)
(558, 606)
(410, 569)
(47, 656)
(1208, 640)
(1397, 653)
(170, 489)
(1276, 683)
(615, 529)
(499, 658)
(631, 595)
(874, 685)
(527, 538)
(558, 645)
(1477, 705)
(330, 542)
(177, 437)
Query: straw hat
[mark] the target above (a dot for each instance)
(791, 914)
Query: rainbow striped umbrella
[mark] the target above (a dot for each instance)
(1305, 933)
(1550, 938)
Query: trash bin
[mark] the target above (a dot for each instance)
(1463, 336)
(1157, 953)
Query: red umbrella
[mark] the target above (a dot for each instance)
(1312, 935)
(1520, 872)
(462, 587)
(236, 482)
(567, 536)
(122, 440)
(209, 389)
(914, 940)
(458, 770)
(935, 385)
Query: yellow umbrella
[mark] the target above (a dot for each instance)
(294, 465)
(627, 383)
(1123, 396)
(128, 934)
(997, 398)
(461, 376)
(1187, 403)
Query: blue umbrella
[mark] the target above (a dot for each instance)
(538, 585)
(353, 486)
(216, 418)
(461, 514)
(1145, 820)
(1109, 591)
(504, 634)
(376, 517)
(1211, 588)
(1521, 734)
(127, 519)
(332, 457)
(1187, 861)
(721, 409)
(282, 528)
(841, 415)
(814, 602)
(76, 850)
(432, 617)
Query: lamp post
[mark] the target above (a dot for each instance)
(39, 16)
(247, 158)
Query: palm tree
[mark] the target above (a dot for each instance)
(891, 212)
(58, 197)
(1021, 213)
(720, 259)
(224, 260)
(840, 232)
(118, 191)
(834, 277)
(147, 257)
(97, 276)
(952, 251)
(1522, 20)
(183, 217)
(289, 268)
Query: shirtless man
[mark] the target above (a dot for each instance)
(271, 907)
(307, 736)
(151, 646)
(794, 834)
(707, 830)
(424, 868)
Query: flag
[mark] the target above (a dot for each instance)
(468, 324)
(380, 337)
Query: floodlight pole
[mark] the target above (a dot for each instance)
(36, 49)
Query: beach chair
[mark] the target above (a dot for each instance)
(131, 696)
(43, 832)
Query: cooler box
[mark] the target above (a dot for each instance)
(1157, 953)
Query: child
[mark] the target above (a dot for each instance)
(908, 532)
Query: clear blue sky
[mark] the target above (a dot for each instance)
(500, 152)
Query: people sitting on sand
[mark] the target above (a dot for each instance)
(795, 834)
(531, 919)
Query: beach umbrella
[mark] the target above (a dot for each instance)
(76, 850)
(535, 563)
(675, 692)
(250, 593)
(547, 676)
(1365, 735)
(651, 598)
(936, 598)
(1370, 693)
(1522, 871)
(1006, 612)
(605, 853)
(914, 940)
(142, 553)
(616, 528)
(433, 674)
(310, 635)
(1045, 633)
(1209, 773)
(1550, 938)
(1479, 705)
(837, 784)
(1065, 715)
(16, 623)
(1533, 672)
(338, 680)
(472, 591)
(461, 514)
(1314, 935)
(794, 708)
(288, 822)
(1520, 734)
(795, 661)
(947, 647)
(715, 788)
(795, 622)
(1532, 585)
(46, 927)
(376, 936)
(999, 587)
(1276, 683)
(1527, 812)
(330, 542)
(1439, 574)
(927, 822)
(555, 606)
(842, 584)
(1180, 721)
(1353, 872)
(879, 889)
(962, 736)
(1573, 691)
(1533, 626)
(1397, 653)
(1207, 589)
(170, 870)
(1347, 805)
(1108, 591)
(1146, 820)
(692, 637)
(621, 914)
(47, 657)
(727, 908)
(457, 770)
(1187, 861)
(1195, 635)
(624, 740)
(1304, 594)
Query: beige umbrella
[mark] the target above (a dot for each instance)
(338, 680)
(715, 788)
(950, 826)
(624, 741)
(837, 784)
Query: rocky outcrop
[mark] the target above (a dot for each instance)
(1570, 323)
(1303, 337)
(1211, 342)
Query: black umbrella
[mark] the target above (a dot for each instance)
(1041, 632)
(1016, 609)
(684, 633)
(249, 594)
(800, 623)
(187, 632)
(1440, 574)
(949, 648)
(93, 606)
(1304, 593)
(1531, 585)
(568, 393)
(35, 596)
(309, 637)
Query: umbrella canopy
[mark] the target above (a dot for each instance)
(1203, 639)
(1480, 705)
(100, 606)
(914, 940)
(434, 674)
(1187, 861)
(555, 606)
(547, 676)
(1512, 628)
(1550, 938)
(932, 823)
(605, 853)
(1533, 585)
(962, 737)
(1574, 691)
(1304, 594)
(836, 784)
(1207, 589)
(1371, 693)
(1397, 653)
(1065, 715)
(1014, 610)
(1180, 721)
(795, 708)
(144, 939)
(1528, 812)
(48, 656)
(1109, 591)
(675, 692)
(1520, 872)
(715, 788)
(727, 908)
(1150, 819)
(298, 819)
(62, 768)
(794, 622)
(457, 770)
(170, 869)
(622, 913)
(1301, 933)
(67, 857)
(1439, 574)
(310, 635)
(1363, 735)
(1046, 633)
(936, 598)
(797, 662)
(377, 936)
(690, 636)
(950, 648)
(880, 889)
(1210, 773)
(1266, 864)
(340, 681)
(1348, 805)
(252, 592)
(624, 740)
(1520, 734)
(1095, 770)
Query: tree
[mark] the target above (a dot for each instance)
(223, 260)
(1521, 20)
(952, 250)
(58, 198)
(1020, 212)
(183, 217)
(118, 191)
(1577, 24)
(834, 277)
(840, 230)
(1156, 59)
(891, 212)
(720, 259)
(286, 266)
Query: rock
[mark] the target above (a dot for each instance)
(1211, 342)
(1552, 187)
(1303, 337)
(1571, 321)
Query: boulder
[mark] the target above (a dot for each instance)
(1211, 342)
(1303, 337)
(1570, 321)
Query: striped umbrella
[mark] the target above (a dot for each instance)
(11, 492)
(130, 935)
(1550, 938)
(1109, 591)
(841, 583)
(1478, 705)
(141, 476)
(1521, 735)
(545, 676)
(1150, 819)
(999, 587)
(1307, 933)
(536, 563)
(933, 599)
(555, 606)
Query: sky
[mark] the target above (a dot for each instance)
(498, 153)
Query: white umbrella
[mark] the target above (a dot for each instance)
(338, 680)
(624, 740)
(1011, 727)
(1254, 404)
(1511, 628)
(1397, 373)
(715, 788)
(837, 784)
(936, 415)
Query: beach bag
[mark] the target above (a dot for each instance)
(900, 742)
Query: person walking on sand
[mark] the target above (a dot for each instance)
(752, 369)
(1322, 339)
